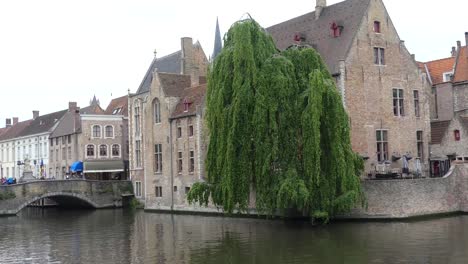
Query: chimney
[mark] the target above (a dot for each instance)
(194, 77)
(454, 52)
(320, 5)
(413, 57)
(187, 55)
(466, 39)
(72, 107)
(8, 122)
(15, 120)
(35, 114)
(458, 45)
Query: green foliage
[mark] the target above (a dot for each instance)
(136, 204)
(276, 124)
(6, 195)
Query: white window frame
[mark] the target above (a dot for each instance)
(447, 76)
(86, 151)
(92, 131)
(112, 151)
(105, 131)
(107, 151)
(138, 189)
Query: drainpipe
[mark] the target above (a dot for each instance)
(199, 145)
(342, 82)
(172, 165)
(142, 146)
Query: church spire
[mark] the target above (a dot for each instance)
(217, 43)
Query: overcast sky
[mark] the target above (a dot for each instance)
(56, 51)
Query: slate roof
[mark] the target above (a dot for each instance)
(65, 127)
(170, 64)
(118, 106)
(15, 130)
(173, 84)
(92, 110)
(195, 96)
(3, 130)
(461, 70)
(437, 68)
(42, 123)
(438, 129)
(349, 14)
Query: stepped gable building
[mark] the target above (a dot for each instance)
(91, 137)
(449, 79)
(152, 127)
(384, 91)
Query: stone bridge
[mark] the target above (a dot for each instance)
(94, 194)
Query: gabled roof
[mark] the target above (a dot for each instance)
(438, 129)
(348, 14)
(94, 109)
(170, 64)
(194, 98)
(15, 130)
(3, 130)
(173, 84)
(65, 126)
(461, 70)
(118, 106)
(42, 123)
(437, 68)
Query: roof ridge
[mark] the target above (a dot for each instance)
(448, 58)
(165, 56)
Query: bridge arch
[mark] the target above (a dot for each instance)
(57, 194)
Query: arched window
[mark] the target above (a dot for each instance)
(96, 131)
(115, 150)
(109, 131)
(89, 151)
(157, 111)
(103, 150)
(137, 120)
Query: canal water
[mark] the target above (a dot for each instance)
(119, 236)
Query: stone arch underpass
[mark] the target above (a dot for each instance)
(93, 194)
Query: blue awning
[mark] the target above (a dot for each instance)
(76, 166)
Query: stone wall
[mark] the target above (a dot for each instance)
(393, 199)
(97, 194)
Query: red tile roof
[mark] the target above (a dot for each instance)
(118, 106)
(461, 71)
(438, 67)
(194, 97)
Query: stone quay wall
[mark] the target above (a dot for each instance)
(399, 199)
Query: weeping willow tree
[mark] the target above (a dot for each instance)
(276, 126)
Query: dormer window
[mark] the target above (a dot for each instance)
(377, 26)
(186, 105)
(336, 29)
(447, 76)
(116, 111)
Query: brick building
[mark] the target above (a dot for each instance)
(93, 136)
(449, 79)
(154, 150)
(384, 91)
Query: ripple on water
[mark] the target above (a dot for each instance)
(117, 236)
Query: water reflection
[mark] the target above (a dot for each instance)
(118, 236)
